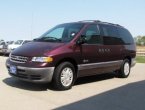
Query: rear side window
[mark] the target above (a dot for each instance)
(125, 36)
(110, 35)
(92, 35)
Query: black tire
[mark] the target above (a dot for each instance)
(121, 72)
(57, 83)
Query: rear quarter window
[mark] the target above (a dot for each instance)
(125, 36)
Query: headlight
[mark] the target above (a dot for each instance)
(42, 59)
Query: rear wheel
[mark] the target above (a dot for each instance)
(64, 76)
(125, 69)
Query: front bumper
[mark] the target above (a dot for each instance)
(36, 75)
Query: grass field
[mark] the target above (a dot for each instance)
(140, 59)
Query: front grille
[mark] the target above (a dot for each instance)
(18, 59)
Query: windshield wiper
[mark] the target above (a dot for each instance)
(54, 38)
(47, 39)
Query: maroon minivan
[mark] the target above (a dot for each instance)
(73, 50)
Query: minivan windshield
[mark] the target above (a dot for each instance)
(61, 33)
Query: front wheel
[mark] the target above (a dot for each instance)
(125, 69)
(64, 76)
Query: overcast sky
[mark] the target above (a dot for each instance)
(28, 19)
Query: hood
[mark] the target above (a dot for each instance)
(35, 48)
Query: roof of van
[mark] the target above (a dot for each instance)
(99, 22)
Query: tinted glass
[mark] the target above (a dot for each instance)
(92, 35)
(61, 33)
(126, 36)
(57, 33)
(110, 35)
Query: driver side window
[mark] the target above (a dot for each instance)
(92, 35)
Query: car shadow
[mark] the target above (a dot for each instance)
(26, 85)
(1, 54)
(44, 87)
(95, 78)
(4, 55)
(128, 97)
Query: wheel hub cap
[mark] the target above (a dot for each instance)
(66, 76)
(126, 68)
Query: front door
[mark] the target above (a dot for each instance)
(91, 53)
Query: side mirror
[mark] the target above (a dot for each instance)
(82, 40)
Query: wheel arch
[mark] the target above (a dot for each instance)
(129, 58)
(71, 60)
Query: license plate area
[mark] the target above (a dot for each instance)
(13, 69)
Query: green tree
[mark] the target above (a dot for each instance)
(140, 40)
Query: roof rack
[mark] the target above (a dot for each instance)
(112, 24)
(98, 21)
(90, 21)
